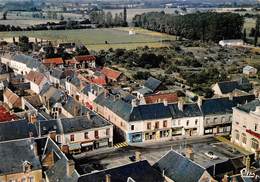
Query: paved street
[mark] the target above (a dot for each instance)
(153, 152)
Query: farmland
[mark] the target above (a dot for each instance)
(97, 39)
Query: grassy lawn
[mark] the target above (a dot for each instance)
(95, 38)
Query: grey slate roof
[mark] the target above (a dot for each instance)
(179, 168)
(152, 83)
(58, 172)
(223, 105)
(14, 153)
(70, 125)
(138, 171)
(74, 107)
(29, 61)
(251, 106)
(189, 110)
(74, 80)
(57, 73)
(150, 111)
(18, 129)
(228, 86)
(128, 113)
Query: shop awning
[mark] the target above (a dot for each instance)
(74, 146)
(86, 144)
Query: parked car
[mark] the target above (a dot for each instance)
(211, 155)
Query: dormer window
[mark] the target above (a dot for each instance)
(27, 166)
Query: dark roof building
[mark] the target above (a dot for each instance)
(15, 154)
(179, 168)
(140, 171)
(152, 84)
(71, 125)
(223, 105)
(19, 129)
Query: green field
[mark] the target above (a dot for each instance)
(95, 38)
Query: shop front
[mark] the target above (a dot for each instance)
(101, 143)
(87, 146)
(177, 131)
(74, 148)
(135, 137)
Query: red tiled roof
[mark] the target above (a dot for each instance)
(35, 77)
(5, 115)
(110, 73)
(53, 61)
(85, 58)
(99, 81)
(12, 98)
(158, 98)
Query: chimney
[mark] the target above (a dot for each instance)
(34, 148)
(88, 115)
(33, 118)
(70, 167)
(138, 156)
(65, 149)
(248, 163)
(257, 154)
(190, 153)
(200, 101)
(108, 178)
(180, 104)
(52, 135)
(134, 103)
(231, 96)
(106, 93)
(165, 102)
(225, 178)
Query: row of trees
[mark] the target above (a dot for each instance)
(103, 19)
(197, 26)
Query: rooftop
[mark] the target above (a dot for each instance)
(14, 154)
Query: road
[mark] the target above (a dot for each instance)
(151, 152)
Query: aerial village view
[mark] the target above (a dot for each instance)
(129, 91)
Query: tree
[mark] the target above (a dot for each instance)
(24, 43)
(109, 18)
(244, 35)
(82, 50)
(256, 30)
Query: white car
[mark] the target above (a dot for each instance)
(211, 155)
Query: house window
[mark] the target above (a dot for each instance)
(165, 124)
(254, 144)
(223, 119)
(187, 123)
(72, 138)
(108, 131)
(132, 127)
(31, 179)
(243, 136)
(179, 122)
(215, 120)
(256, 127)
(148, 126)
(96, 134)
(157, 125)
(58, 138)
(196, 122)
(174, 122)
(207, 121)
(86, 135)
(237, 134)
(23, 179)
